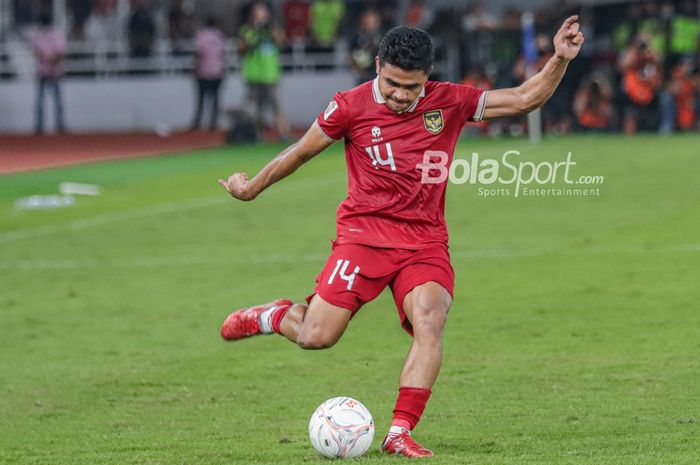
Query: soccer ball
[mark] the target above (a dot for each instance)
(341, 427)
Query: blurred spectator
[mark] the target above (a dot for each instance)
(418, 15)
(210, 54)
(545, 50)
(479, 27)
(181, 25)
(593, 103)
(325, 21)
(365, 46)
(506, 46)
(683, 90)
(477, 78)
(103, 24)
(296, 14)
(141, 28)
(259, 44)
(478, 19)
(545, 20)
(627, 27)
(80, 12)
(26, 11)
(641, 78)
(652, 23)
(388, 10)
(49, 48)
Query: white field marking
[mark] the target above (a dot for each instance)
(158, 262)
(162, 209)
(106, 218)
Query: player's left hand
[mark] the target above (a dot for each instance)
(568, 40)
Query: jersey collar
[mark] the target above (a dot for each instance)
(379, 99)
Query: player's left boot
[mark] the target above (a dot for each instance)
(245, 322)
(403, 444)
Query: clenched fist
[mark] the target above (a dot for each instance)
(238, 186)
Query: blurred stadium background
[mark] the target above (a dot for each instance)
(573, 337)
(129, 64)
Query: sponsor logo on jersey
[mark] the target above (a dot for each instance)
(433, 121)
(376, 135)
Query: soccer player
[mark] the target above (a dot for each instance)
(391, 228)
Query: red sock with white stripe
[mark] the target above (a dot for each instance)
(270, 319)
(410, 405)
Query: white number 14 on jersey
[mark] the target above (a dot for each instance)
(375, 154)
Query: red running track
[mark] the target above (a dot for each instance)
(28, 153)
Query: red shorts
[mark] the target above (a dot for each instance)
(355, 274)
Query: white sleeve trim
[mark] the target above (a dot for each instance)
(480, 107)
(325, 136)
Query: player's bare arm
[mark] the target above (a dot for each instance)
(284, 164)
(534, 92)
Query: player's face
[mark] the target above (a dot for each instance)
(400, 88)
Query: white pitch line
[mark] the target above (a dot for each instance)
(106, 218)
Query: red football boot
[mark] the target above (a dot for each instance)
(403, 444)
(246, 321)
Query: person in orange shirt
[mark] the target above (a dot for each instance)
(641, 79)
(683, 90)
(593, 103)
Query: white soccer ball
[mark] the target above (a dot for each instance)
(341, 427)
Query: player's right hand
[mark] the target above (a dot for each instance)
(238, 186)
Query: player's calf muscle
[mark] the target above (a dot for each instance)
(314, 338)
(292, 321)
(306, 334)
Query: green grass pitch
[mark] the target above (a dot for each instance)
(574, 337)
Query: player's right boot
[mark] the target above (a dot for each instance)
(245, 322)
(403, 444)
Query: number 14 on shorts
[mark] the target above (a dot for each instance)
(341, 269)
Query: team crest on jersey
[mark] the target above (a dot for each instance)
(433, 121)
(329, 111)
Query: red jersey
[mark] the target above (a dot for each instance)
(387, 205)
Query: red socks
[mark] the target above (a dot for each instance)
(409, 406)
(277, 316)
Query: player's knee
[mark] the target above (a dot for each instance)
(429, 316)
(429, 323)
(315, 340)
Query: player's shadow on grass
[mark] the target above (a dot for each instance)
(442, 450)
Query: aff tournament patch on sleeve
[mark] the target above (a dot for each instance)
(329, 111)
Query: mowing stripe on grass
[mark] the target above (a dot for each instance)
(156, 262)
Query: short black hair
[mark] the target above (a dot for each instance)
(408, 48)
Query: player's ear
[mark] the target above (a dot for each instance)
(377, 64)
